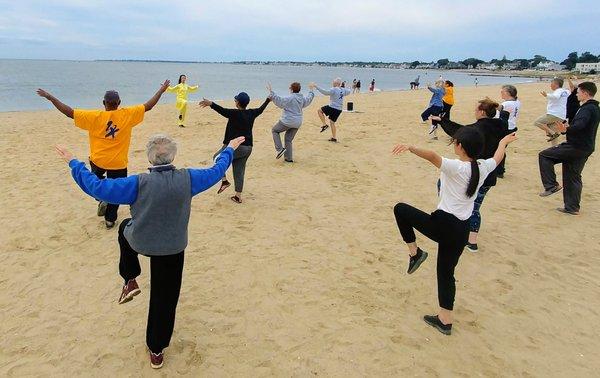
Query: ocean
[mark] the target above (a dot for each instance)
(82, 84)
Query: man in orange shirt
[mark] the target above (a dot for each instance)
(110, 135)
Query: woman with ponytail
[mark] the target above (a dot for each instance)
(460, 180)
(493, 130)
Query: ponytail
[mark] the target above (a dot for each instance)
(474, 180)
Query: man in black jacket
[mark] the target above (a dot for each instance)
(573, 154)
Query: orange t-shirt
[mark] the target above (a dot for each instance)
(449, 96)
(110, 133)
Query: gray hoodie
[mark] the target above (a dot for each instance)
(336, 96)
(292, 106)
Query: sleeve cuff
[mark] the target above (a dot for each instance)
(73, 162)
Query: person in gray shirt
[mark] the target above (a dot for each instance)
(291, 117)
(336, 103)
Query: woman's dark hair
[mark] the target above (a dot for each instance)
(588, 87)
(180, 76)
(449, 83)
(471, 141)
(488, 106)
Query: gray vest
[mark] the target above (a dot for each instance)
(161, 213)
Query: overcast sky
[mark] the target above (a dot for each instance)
(306, 30)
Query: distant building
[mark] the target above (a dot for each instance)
(488, 66)
(587, 67)
(550, 66)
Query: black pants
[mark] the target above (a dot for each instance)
(165, 284)
(432, 110)
(448, 231)
(111, 210)
(446, 111)
(573, 160)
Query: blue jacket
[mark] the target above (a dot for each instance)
(124, 191)
(436, 98)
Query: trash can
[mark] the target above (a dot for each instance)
(350, 106)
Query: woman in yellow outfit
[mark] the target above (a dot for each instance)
(182, 90)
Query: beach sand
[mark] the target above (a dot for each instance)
(308, 276)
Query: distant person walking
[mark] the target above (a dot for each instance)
(240, 122)
(358, 86)
(476, 82)
(354, 86)
(448, 226)
(181, 90)
(158, 228)
(372, 86)
(334, 109)
(556, 110)
(291, 118)
(448, 99)
(572, 154)
(110, 135)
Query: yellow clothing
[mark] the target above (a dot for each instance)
(182, 91)
(449, 96)
(109, 133)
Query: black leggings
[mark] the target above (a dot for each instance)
(448, 231)
(111, 209)
(165, 284)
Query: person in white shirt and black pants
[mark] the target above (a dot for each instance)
(449, 224)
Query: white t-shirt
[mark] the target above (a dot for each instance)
(557, 103)
(513, 107)
(454, 178)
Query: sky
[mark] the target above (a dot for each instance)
(297, 30)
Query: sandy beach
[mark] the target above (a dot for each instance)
(308, 276)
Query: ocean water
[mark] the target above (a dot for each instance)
(82, 84)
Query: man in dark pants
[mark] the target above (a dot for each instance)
(158, 228)
(573, 154)
(109, 134)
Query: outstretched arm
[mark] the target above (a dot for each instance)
(203, 179)
(308, 98)
(326, 92)
(216, 107)
(193, 88)
(258, 111)
(428, 155)
(154, 100)
(63, 108)
(122, 191)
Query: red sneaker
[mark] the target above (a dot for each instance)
(156, 360)
(130, 290)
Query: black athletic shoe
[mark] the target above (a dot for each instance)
(324, 127)
(280, 153)
(333, 140)
(500, 175)
(435, 322)
(416, 260)
(472, 247)
(109, 224)
(180, 117)
(289, 161)
(551, 191)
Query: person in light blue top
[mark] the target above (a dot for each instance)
(336, 103)
(436, 106)
(291, 118)
(158, 228)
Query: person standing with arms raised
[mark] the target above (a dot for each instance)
(572, 154)
(110, 135)
(240, 122)
(448, 225)
(336, 105)
(291, 118)
(181, 90)
(158, 228)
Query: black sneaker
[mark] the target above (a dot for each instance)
(109, 224)
(324, 127)
(289, 161)
(435, 322)
(280, 153)
(551, 191)
(472, 247)
(416, 260)
(333, 140)
(500, 175)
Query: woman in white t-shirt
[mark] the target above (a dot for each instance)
(509, 110)
(449, 224)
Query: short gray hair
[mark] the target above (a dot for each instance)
(161, 149)
(558, 81)
(337, 81)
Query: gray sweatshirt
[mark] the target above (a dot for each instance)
(336, 96)
(292, 106)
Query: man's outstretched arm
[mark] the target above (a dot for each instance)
(154, 100)
(63, 108)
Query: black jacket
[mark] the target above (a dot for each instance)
(492, 129)
(583, 129)
(239, 122)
